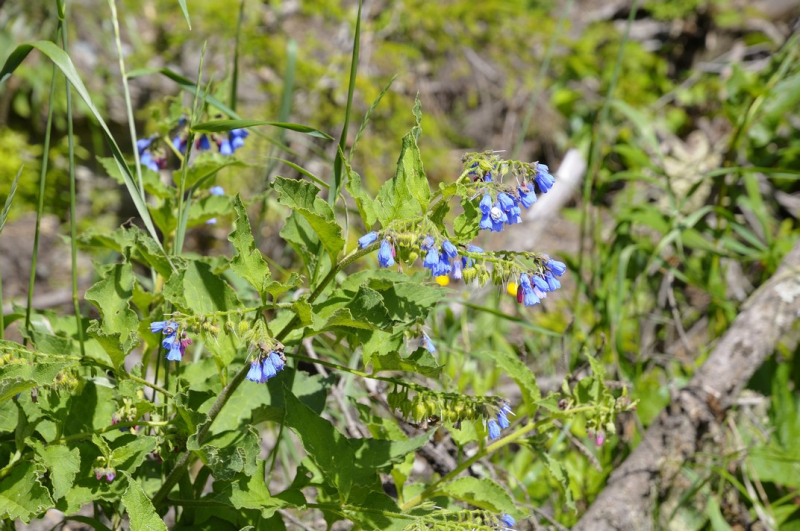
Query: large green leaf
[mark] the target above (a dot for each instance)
(62, 463)
(483, 493)
(420, 361)
(229, 453)
(196, 289)
(18, 377)
(365, 203)
(21, 494)
(248, 263)
(326, 447)
(303, 198)
(220, 126)
(140, 509)
(64, 63)
(381, 455)
(116, 332)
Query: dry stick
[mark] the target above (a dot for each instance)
(628, 499)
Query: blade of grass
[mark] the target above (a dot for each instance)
(594, 153)
(73, 216)
(3, 218)
(337, 164)
(537, 88)
(365, 121)
(112, 4)
(40, 203)
(64, 63)
(235, 75)
(185, 12)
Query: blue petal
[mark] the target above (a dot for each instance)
(540, 283)
(267, 371)
(367, 239)
(225, 147)
(432, 258)
(254, 374)
(494, 429)
(276, 361)
(217, 190)
(385, 258)
(558, 268)
(486, 203)
(157, 326)
(449, 249)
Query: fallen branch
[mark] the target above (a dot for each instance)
(628, 499)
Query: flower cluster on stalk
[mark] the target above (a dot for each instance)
(429, 407)
(175, 340)
(151, 155)
(227, 143)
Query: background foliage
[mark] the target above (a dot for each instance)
(686, 114)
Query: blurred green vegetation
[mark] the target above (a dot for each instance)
(671, 239)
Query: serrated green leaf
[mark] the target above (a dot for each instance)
(62, 463)
(420, 361)
(522, 375)
(116, 332)
(220, 126)
(326, 447)
(140, 509)
(18, 377)
(229, 453)
(248, 263)
(196, 289)
(21, 494)
(303, 198)
(298, 233)
(131, 455)
(483, 493)
(559, 473)
(364, 203)
(467, 224)
(251, 492)
(408, 193)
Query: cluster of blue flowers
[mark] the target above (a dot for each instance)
(147, 157)
(505, 208)
(495, 426)
(534, 287)
(426, 343)
(226, 143)
(174, 342)
(265, 367)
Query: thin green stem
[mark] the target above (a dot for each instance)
(40, 205)
(523, 130)
(235, 77)
(594, 154)
(173, 477)
(150, 385)
(118, 425)
(73, 216)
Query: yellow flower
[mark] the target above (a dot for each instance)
(512, 289)
(443, 280)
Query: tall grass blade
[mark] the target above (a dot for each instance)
(185, 13)
(3, 218)
(64, 63)
(551, 46)
(338, 163)
(365, 121)
(40, 204)
(235, 76)
(73, 216)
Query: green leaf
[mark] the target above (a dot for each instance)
(381, 455)
(10, 198)
(64, 63)
(364, 202)
(298, 233)
(196, 289)
(185, 13)
(303, 198)
(131, 455)
(62, 463)
(220, 126)
(21, 494)
(248, 262)
(140, 509)
(111, 295)
(150, 179)
(559, 473)
(522, 375)
(18, 377)
(326, 447)
(229, 453)
(420, 361)
(408, 193)
(467, 225)
(364, 310)
(251, 492)
(483, 493)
